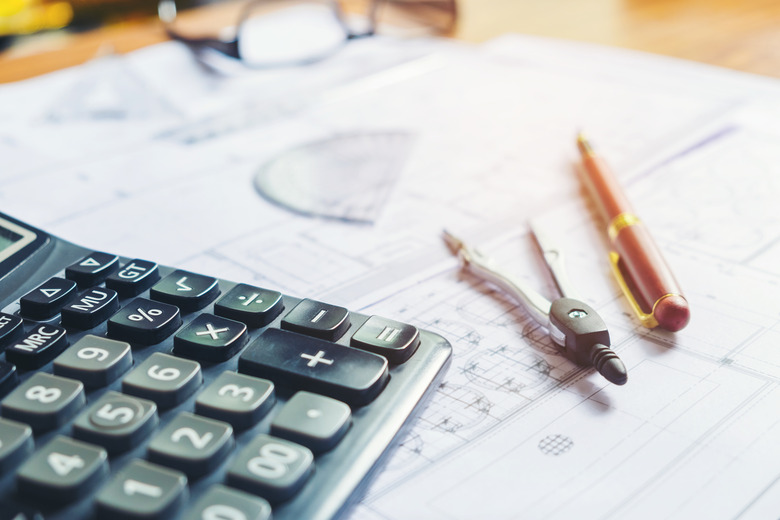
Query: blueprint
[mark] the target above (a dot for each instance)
(160, 162)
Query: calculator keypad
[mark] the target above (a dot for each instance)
(167, 383)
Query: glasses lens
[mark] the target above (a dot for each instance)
(282, 32)
(415, 17)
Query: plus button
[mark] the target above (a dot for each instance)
(319, 358)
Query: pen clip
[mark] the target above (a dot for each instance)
(646, 319)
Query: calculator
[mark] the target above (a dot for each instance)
(133, 390)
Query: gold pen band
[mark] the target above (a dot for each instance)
(621, 222)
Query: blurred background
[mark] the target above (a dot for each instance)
(739, 34)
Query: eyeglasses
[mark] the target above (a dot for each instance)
(277, 33)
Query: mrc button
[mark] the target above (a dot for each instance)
(42, 344)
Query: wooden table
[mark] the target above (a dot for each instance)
(739, 34)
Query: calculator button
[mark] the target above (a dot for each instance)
(47, 299)
(11, 328)
(142, 490)
(236, 399)
(165, 379)
(317, 319)
(94, 360)
(16, 444)
(312, 420)
(8, 378)
(272, 468)
(187, 290)
(350, 375)
(117, 422)
(90, 308)
(44, 401)
(134, 278)
(144, 321)
(210, 338)
(394, 340)
(42, 344)
(64, 470)
(251, 305)
(222, 503)
(92, 269)
(193, 445)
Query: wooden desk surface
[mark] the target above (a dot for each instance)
(739, 34)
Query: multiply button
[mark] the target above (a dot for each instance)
(92, 269)
(210, 338)
(134, 277)
(189, 291)
(306, 363)
(47, 299)
(317, 319)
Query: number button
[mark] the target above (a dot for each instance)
(63, 471)
(210, 338)
(95, 361)
(92, 269)
(90, 308)
(237, 399)
(47, 299)
(144, 321)
(187, 290)
(192, 444)
(315, 421)
(44, 401)
(394, 340)
(144, 491)
(317, 319)
(16, 443)
(251, 305)
(273, 468)
(134, 278)
(117, 422)
(222, 503)
(40, 346)
(165, 379)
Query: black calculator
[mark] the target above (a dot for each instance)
(132, 390)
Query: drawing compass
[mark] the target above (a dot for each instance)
(573, 325)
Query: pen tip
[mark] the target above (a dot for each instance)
(583, 144)
(453, 243)
(608, 364)
(672, 312)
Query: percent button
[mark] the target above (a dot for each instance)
(144, 322)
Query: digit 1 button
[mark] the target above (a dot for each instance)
(236, 399)
(317, 319)
(47, 299)
(117, 422)
(222, 503)
(192, 444)
(164, 379)
(133, 278)
(210, 338)
(144, 322)
(90, 308)
(251, 305)
(142, 491)
(44, 401)
(92, 269)
(272, 468)
(62, 471)
(315, 421)
(187, 290)
(40, 346)
(391, 339)
(94, 360)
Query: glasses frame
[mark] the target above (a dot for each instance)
(231, 48)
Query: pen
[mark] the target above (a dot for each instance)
(641, 271)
